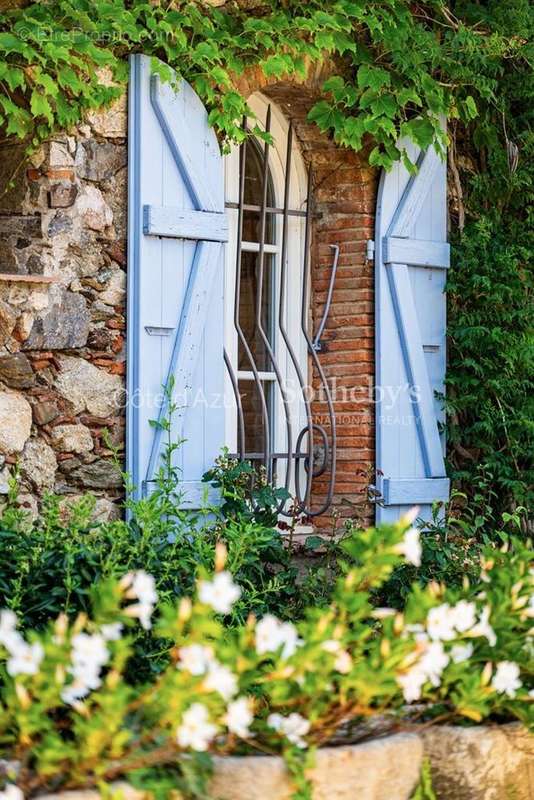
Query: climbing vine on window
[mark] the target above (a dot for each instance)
(397, 67)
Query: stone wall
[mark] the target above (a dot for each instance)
(62, 311)
(62, 305)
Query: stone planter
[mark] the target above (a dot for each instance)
(483, 763)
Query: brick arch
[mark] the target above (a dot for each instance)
(345, 190)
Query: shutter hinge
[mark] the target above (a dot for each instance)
(370, 251)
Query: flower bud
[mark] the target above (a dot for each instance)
(221, 555)
(23, 696)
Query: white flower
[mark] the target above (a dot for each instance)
(271, 634)
(440, 623)
(89, 650)
(112, 631)
(9, 636)
(410, 547)
(461, 653)
(412, 683)
(25, 660)
(445, 622)
(221, 593)
(343, 661)
(506, 678)
(88, 655)
(221, 679)
(433, 662)
(196, 731)
(429, 668)
(293, 727)
(11, 792)
(142, 612)
(77, 689)
(464, 615)
(141, 586)
(239, 717)
(529, 611)
(483, 627)
(195, 658)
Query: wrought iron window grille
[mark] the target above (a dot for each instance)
(302, 450)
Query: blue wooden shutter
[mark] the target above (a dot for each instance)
(177, 226)
(411, 259)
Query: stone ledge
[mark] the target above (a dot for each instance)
(482, 763)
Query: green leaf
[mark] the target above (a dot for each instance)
(40, 107)
(471, 107)
(372, 77)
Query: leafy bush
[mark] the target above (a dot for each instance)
(71, 719)
(50, 565)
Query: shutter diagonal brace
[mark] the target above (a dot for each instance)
(199, 289)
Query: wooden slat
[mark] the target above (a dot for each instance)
(416, 252)
(416, 368)
(179, 223)
(410, 491)
(188, 340)
(415, 195)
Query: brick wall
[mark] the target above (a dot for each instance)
(345, 196)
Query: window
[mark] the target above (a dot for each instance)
(264, 301)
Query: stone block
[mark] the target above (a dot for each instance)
(88, 388)
(100, 474)
(16, 371)
(15, 422)
(62, 195)
(64, 325)
(38, 464)
(8, 319)
(93, 209)
(98, 161)
(44, 412)
(115, 291)
(73, 438)
(378, 770)
(481, 763)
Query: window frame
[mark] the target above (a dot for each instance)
(259, 104)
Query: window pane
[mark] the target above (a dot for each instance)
(252, 413)
(247, 310)
(253, 195)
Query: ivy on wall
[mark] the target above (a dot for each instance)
(400, 65)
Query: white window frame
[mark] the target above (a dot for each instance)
(258, 104)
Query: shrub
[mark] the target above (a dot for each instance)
(71, 719)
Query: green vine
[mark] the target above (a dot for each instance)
(397, 67)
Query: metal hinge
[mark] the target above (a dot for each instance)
(370, 251)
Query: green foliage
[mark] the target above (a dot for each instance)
(396, 68)
(452, 545)
(424, 790)
(490, 287)
(73, 719)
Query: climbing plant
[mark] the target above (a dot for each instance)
(397, 66)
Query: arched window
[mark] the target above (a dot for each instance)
(264, 298)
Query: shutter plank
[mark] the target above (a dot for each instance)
(420, 491)
(416, 252)
(416, 369)
(179, 223)
(415, 195)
